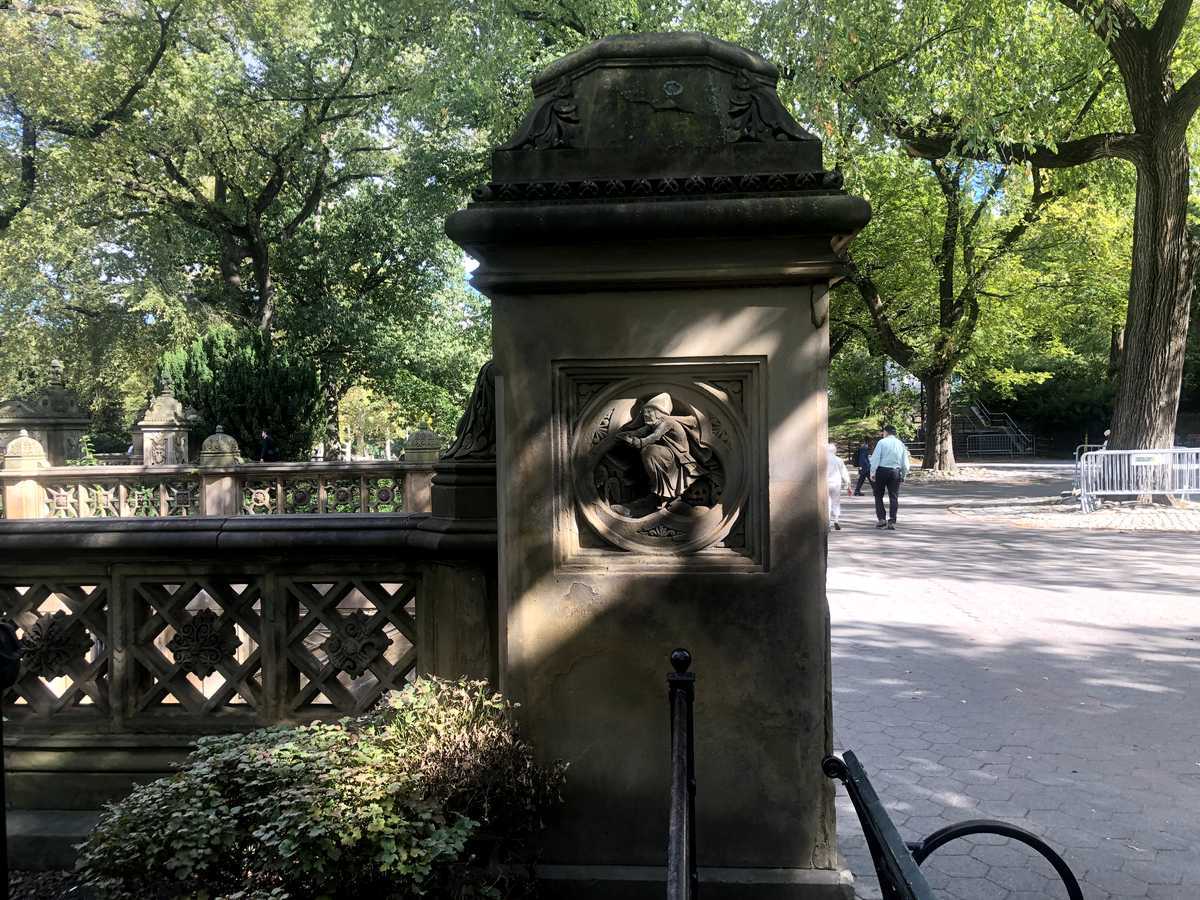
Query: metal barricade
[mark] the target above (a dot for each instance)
(1079, 451)
(1147, 474)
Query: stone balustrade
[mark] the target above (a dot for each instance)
(256, 489)
(139, 636)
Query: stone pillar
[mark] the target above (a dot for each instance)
(52, 415)
(657, 241)
(24, 499)
(421, 448)
(222, 496)
(163, 430)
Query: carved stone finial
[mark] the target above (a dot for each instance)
(476, 432)
(24, 452)
(755, 114)
(57, 370)
(220, 449)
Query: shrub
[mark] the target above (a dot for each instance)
(247, 382)
(432, 793)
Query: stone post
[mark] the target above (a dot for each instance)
(163, 430)
(222, 496)
(658, 240)
(421, 448)
(52, 415)
(24, 499)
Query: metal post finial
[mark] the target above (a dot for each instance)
(681, 660)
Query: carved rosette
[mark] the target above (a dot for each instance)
(354, 644)
(612, 486)
(202, 642)
(53, 644)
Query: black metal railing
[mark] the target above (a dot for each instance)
(682, 878)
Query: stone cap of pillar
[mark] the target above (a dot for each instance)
(23, 452)
(220, 449)
(659, 137)
(164, 411)
(423, 445)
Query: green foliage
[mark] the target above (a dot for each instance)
(898, 408)
(432, 793)
(248, 383)
(855, 377)
(87, 453)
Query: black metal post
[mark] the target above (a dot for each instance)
(10, 668)
(683, 883)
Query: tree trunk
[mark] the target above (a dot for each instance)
(1116, 349)
(1160, 294)
(331, 398)
(939, 423)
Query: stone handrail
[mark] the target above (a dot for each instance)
(300, 488)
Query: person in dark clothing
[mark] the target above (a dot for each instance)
(862, 459)
(267, 451)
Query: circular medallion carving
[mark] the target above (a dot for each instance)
(660, 465)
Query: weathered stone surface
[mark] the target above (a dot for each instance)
(659, 225)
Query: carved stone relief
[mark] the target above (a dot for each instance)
(552, 122)
(659, 464)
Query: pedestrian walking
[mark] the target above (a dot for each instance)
(837, 479)
(862, 459)
(267, 451)
(889, 465)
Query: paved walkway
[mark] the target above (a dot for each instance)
(1049, 678)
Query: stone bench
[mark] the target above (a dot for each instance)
(898, 862)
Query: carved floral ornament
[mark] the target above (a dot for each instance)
(651, 471)
(53, 644)
(202, 642)
(354, 643)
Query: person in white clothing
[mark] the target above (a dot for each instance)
(837, 478)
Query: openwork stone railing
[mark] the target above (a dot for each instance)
(139, 635)
(207, 650)
(244, 489)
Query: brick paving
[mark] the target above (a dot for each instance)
(1048, 678)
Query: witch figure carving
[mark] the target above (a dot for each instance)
(669, 447)
(651, 473)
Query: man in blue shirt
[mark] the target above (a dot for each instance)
(889, 465)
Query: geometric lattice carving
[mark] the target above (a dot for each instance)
(63, 628)
(202, 642)
(348, 642)
(206, 646)
(197, 646)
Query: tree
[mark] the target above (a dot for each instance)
(921, 272)
(244, 382)
(362, 292)
(1056, 85)
(70, 74)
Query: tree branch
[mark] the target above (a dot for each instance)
(854, 82)
(892, 344)
(1186, 100)
(28, 172)
(124, 106)
(1167, 29)
(1116, 25)
(1108, 145)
